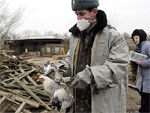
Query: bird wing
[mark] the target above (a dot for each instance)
(52, 88)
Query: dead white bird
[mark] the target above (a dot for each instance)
(63, 100)
(58, 76)
(50, 86)
(48, 68)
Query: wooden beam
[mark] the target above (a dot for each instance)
(14, 106)
(29, 78)
(132, 86)
(22, 75)
(32, 81)
(20, 107)
(5, 107)
(2, 99)
(31, 93)
(20, 99)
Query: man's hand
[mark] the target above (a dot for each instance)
(138, 62)
(81, 79)
(74, 81)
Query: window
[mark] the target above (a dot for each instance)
(48, 49)
(57, 50)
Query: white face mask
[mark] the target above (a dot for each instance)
(83, 24)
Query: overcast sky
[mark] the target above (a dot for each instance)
(57, 15)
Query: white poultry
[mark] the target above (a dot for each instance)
(63, 100)
(48, 68)
(50, 86)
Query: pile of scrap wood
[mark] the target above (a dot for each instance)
(19, 92)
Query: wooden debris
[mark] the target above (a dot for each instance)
(18, 88)
(15, 107)
(20, 107)
(20, 99)
(32, 94)
(22, 75)
(132, 86)
(2, 99)
(5, 106)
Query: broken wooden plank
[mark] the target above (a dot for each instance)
(132, 86)
(2, 99)
(31, 93)
(12, 86)
(20, 99)
(13, 102)
(25, 81)
(2, 93)
(14, 91)
(4, 108)
(4, 83)
(20, 107)
(22, 75)
(14, 107)
(32, 81)
(7, 79)
(32, 103)
(29, 78)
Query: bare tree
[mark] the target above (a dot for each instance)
(148, 37)
(27, 33)
(8, 21)
(113, 19)
(50, 33)
(66, 35)
(126, 35)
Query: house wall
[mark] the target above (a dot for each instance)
(52, 49)
(44, 47)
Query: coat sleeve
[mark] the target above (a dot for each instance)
(146, 62)
(110, 73)
(115, 67)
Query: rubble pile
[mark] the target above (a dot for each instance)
(19, 91)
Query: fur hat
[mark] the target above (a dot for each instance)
(141, 33)
(84, 4)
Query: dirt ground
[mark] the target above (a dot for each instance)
(40, 60)
(133, 97)
(133, 101)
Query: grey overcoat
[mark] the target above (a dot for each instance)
(109, 67)
(144, 69)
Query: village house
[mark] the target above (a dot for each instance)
(39, 45)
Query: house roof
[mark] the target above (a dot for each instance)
(38, 37)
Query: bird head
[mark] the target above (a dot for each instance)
(56, 103)
(41, 79)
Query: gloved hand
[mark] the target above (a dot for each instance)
(82, 79)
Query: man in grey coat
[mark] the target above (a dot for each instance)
(98, 59)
